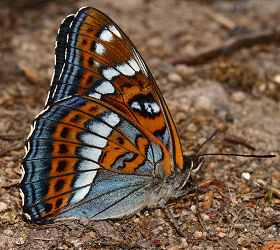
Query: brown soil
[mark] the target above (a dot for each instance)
(238, 93)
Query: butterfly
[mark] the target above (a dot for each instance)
(105, 145)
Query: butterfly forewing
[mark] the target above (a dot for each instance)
(103, 63)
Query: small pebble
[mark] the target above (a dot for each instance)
(193, 208)
(213, 166)
(20, 241)
(30, 74)
(136, 220)
(246, 176)
(3, 207)
(155, 42)
(239, 226)
(192, 127)
(276, 78)
(261, 182)
(203, 103)
(239, 96)
(220, 229)
(222, 235)
(205, 217)
(184, 70)
(197, 235)
(173, 77)
(231, 234)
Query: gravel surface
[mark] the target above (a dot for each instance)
(239, 199)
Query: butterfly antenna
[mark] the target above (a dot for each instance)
(227, 154)
(208, 139)
(242, 155)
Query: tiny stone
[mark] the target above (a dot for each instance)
(261, 182)
(239, 96)
(173, 77)
(8, 232)
(192, 128)
(193, 208)
(203, 103)
(222, 235)
(277, 78)
(197, 235)
(180, 116)
(155, 42)
(136, 220)
(246, 176)
(213, 166)
(20, 241)
(184, 70)
(205, 217)
(231, 234)
(3, 206)
(239, 226)
(92, 234)
(220, 229)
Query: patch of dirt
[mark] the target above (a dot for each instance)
(238, 93)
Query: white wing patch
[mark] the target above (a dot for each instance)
(90, 153)
(105, 88)
(106, 36)
(99, 49)
(125, 69)
(114, 30)
(110, 73)
(93, 140)
(133, 64)
(95, 95)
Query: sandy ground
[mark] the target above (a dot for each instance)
(238, 93)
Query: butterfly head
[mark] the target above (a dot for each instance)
(192, 164)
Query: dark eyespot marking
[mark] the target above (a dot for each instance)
(126, 85)
(79, 75)
(93, 46)
(90, 61)
(61, 166)
(89, 80)
(89, 30)
(64, 132)
(48, 207)
(76, 118)
(59, 185)
(145, 105)
(58, 203)
(120, 140)
(63, 149)
(93, 108)
(84, 41)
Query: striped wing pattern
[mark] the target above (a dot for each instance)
(106, 136)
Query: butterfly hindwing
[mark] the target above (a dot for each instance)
(103, 63)
(77, 140)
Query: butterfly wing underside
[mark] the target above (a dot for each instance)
(84, 151)
(106, 131)
(103, 63)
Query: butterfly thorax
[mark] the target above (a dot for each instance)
(178, 184)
